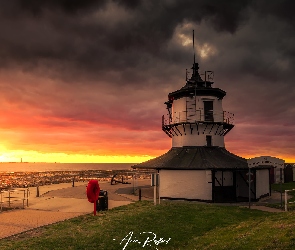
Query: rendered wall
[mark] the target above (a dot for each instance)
(196, 135)
(189, 109)
(186, 184)
(179, 108)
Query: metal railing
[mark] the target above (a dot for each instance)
(14, 198)
(197, 116)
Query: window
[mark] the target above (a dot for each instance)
(208, 111)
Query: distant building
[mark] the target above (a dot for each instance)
(198, 167)
(277, 167)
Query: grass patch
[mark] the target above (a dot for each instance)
(189, 225)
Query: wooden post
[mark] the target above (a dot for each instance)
(139, 194)
(8, 198)
(281, 188)
(24, 198)
(155, 183)
(249, 183)
(27, 197)
(158, 186)
(155, 195)
(133, 182)
(1, 199)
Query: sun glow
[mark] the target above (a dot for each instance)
(206, 50)
(185, 41)
(34, 156)
(3, 158)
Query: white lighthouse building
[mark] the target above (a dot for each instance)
(195, 114)
(198, 167)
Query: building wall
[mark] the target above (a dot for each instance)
(196, 135)
(276, 163)
(186, 184)
(195, 106)
(262, 183)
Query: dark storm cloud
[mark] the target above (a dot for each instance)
(283, 10)
(95, 36)
(99, 35)
(129, 3)
(71, 6)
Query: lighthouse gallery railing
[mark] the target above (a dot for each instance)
(197, 116)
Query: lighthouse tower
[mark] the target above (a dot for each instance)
(195, 114)
(198, 166)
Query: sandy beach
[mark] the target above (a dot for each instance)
(58, 202)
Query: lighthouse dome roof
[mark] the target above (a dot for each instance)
(193, 90)
(196, 86)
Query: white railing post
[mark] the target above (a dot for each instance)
(8, 198)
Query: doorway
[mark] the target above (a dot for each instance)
(223, 187)
(209, 140)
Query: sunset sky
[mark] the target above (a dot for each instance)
(86, 81)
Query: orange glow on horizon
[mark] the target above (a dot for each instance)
(33, 156)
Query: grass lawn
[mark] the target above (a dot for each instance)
(171, 225)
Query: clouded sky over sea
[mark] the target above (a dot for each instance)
(86, 81)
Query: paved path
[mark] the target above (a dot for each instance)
(60, 202)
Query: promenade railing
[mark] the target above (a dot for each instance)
(13, 198)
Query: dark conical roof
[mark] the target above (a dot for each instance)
(190, 158)
(197, 86)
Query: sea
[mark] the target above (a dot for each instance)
(49, 167)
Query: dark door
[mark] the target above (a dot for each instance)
(208, 111)
(209, 140)
(288, 173)
(224, 189)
